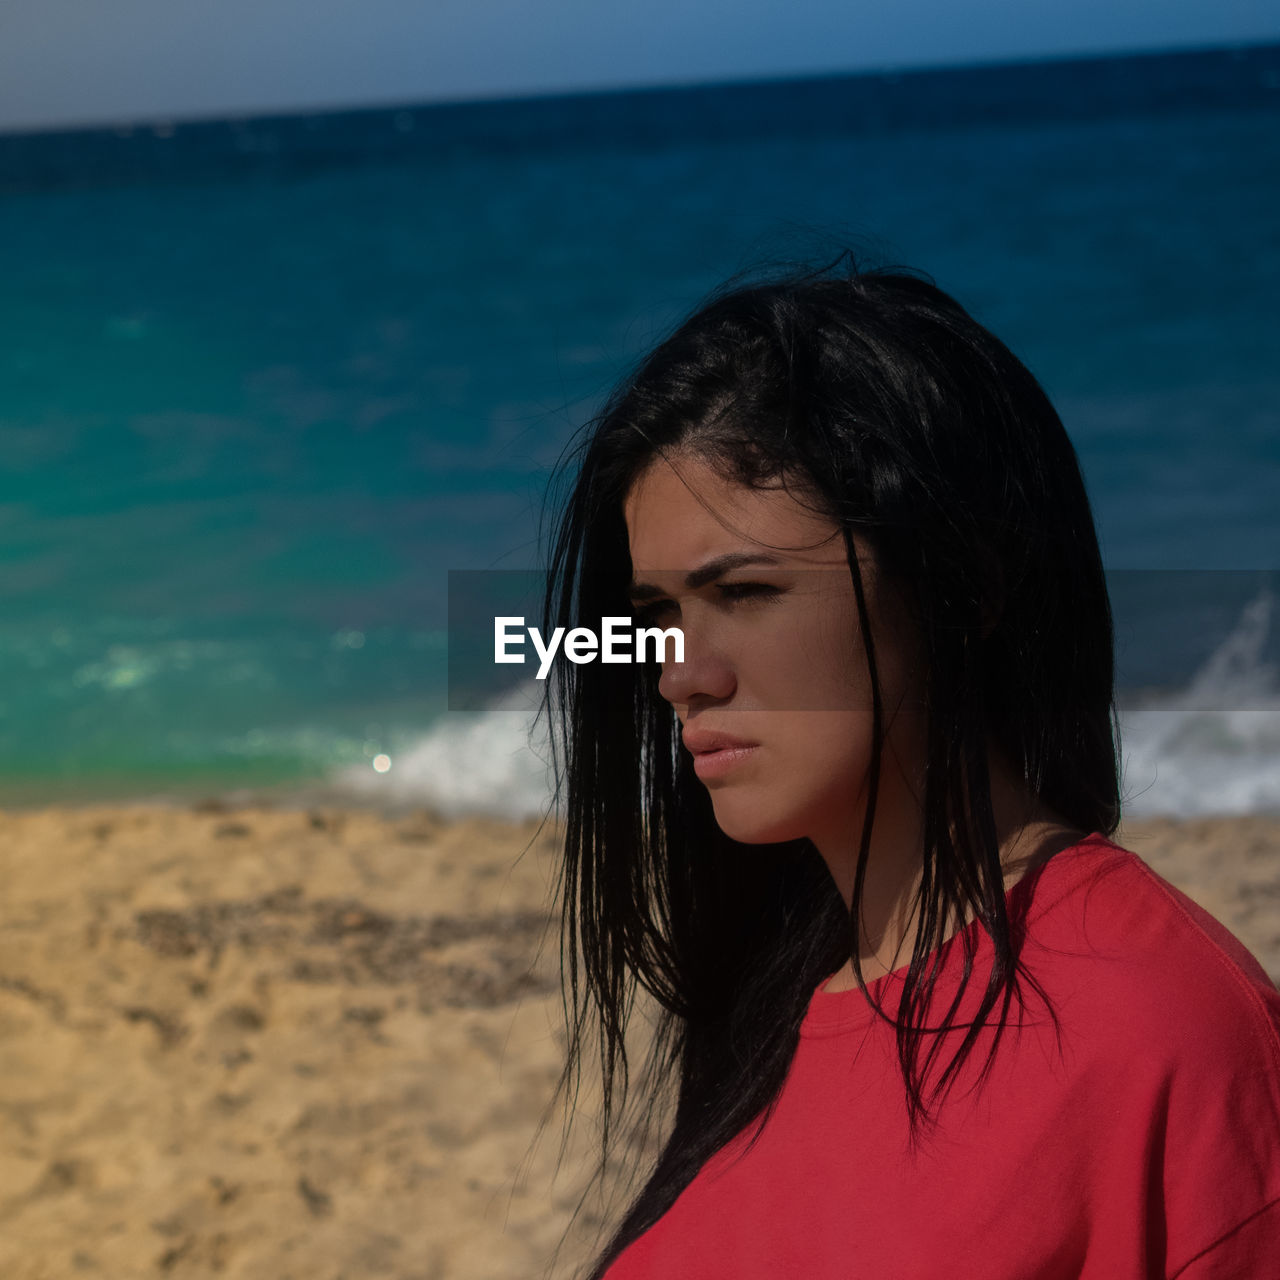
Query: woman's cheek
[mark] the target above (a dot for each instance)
(837, 752)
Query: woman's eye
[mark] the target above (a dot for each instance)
(728, 591)
(745, 590)
(650, 613)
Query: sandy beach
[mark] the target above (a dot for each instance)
(317, 1045)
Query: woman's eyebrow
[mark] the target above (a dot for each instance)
(708, 572)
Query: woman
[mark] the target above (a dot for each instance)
(919, 1015)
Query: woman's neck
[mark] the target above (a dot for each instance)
(1028, 834)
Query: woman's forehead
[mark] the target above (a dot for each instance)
(683, 512)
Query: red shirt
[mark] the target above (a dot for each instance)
(1149, 1146)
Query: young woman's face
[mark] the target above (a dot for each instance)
(773, 654)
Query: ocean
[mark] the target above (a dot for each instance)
(264, 382)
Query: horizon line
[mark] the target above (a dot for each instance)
(174, 120)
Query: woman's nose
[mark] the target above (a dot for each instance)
(703, 673)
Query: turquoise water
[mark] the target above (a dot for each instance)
(263, 383)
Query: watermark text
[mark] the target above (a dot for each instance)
(581, 644)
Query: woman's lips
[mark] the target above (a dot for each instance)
(715, 764)
(716, 753)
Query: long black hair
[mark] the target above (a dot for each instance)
(922, 433)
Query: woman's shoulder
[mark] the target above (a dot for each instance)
(1158, 966)
(1171, 1036)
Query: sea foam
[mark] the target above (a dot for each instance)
(1214, 747)
(495, 762)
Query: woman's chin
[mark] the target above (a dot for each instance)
(749, 825)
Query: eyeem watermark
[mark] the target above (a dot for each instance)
(581, 644)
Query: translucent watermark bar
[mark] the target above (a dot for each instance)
(1208, 636)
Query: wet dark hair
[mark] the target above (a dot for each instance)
(919, 431)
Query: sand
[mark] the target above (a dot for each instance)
(317, 1045)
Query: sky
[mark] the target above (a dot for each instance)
(71, 62)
